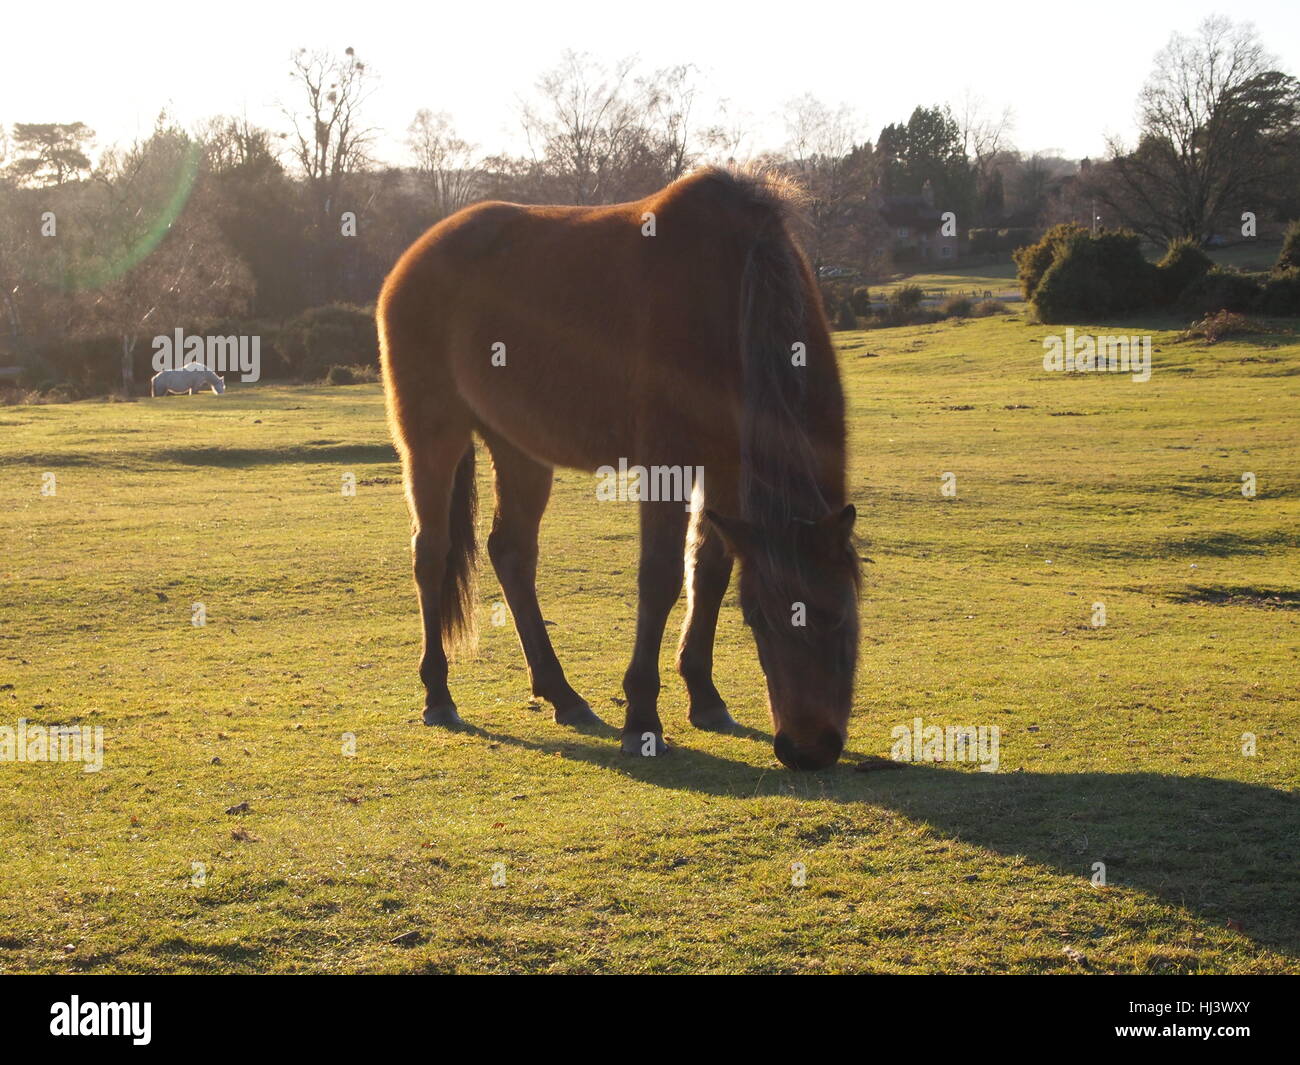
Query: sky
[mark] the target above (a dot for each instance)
(1070, 74)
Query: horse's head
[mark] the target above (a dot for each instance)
(799, 594)
(218, 384)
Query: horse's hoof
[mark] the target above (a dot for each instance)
(714, 719)
(444, 716)
(644, 744)
(576, 715)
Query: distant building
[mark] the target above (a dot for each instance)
(916, 227)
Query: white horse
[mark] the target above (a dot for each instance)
(191, 378)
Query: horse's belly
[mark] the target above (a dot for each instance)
(551, 416)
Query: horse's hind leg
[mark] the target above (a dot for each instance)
(523, 488)
(708, 574)
(431, 467)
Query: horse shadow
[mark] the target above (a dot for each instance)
(360, 454)
(1226, 851)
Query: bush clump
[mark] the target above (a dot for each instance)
(1184, 263)
(1289, 257)
(907, 297)
(958, 307)
(1280, 294)
(1220, 290)
(998, 241)
(1033, 260)
(337, 334)
(351, 375)
(1091, 277)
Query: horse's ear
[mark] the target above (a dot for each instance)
(842, 522)
(834, 532)
(739, 536)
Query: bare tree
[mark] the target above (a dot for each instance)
(231, 144)
(329, 140)
(986, 142)
(599, 134)
(443, 160)
(669, 99)
(822, 154)
(722, 142)
(1218, 128)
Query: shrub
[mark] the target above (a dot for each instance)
(1072, 289)
(861, 301)
(1091, 277)
(907, 297)
(36, 397)
(1033, 260)
(957, 307)
(273, 364)
(995, 241)
(337, 334)
(1133, 281)
(351, 375)
(986, 308)
(846, 319)
(1280, 294)
(92, 365)
(1182, 264)
(1289, 257)
(1220, 290)
(1214, 327)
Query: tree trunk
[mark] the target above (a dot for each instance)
(128, 365)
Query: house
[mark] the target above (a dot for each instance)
(915, 225)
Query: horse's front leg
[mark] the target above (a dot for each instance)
(708, 576)
(659, 583)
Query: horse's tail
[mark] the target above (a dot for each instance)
(778, 317)
(456, 601)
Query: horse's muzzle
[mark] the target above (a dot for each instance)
(821, 754)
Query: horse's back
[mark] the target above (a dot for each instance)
(580, 332)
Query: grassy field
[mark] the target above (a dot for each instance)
(1120, 745)
(998, 278)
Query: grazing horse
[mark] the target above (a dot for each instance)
(191, 378)
(681, 331)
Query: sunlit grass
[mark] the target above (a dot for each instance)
(1120, 745)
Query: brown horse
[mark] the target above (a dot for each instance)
(679, 332)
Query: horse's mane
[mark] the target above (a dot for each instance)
(783, 481)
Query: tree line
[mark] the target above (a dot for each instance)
(231, 220)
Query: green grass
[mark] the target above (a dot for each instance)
(1120, 744)
(959, 281)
